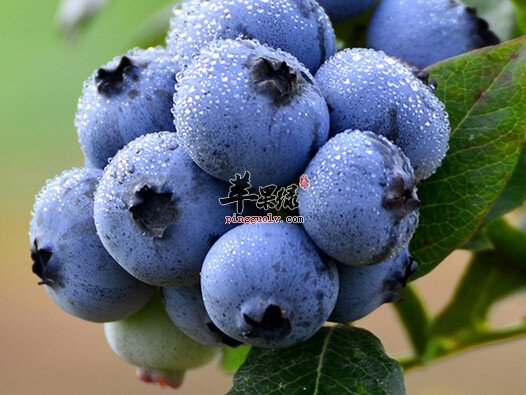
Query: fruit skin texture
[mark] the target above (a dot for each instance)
(266, 285)
(244, 106)
(365, 288)
(186, 309)
(78, 273)
(157, 213)
(361, 205)
(150, 341)
(368, 90)
(299, 27)
(128, 97)
(424, 32)
(341, 10)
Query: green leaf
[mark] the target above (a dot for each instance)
(491, 276)
(233, 358)
(414, 316)
(337, 360)
(352, 33)
(512, 198)
(485, 282)
(509, 242)
(479, 242)
(520, 15)
(514, 194)
(485, 96)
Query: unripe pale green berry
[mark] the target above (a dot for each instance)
(150, 341)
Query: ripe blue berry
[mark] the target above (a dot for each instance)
(157, 213)
(423, 32)
(367, 90)
(186, 309)
(341, 10)
(266, 285)
(150, 341)
(242, 106)
(130, 96)
(78, 273)
(299, 27)
(361, 205)
(365, 288)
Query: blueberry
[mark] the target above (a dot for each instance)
(186, 309)
(157, 213)
(266, 285)
(89, 165)
(361, 205)
(150, 341)
(341, 10)
(130, 96)
(242, 106)
(299, 27)
(78, 273)
(367, 90)
(423, 32)
(365, 288)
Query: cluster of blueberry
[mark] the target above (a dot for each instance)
(164, 130)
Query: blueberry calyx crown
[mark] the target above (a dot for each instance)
(41, 257)
(400, 196)
(410, 270)
(110, 82)
(274, 325)
(153, 210)
(399, 279)
(225, 339)
(276, 78)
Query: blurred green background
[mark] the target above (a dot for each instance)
(45, 351)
